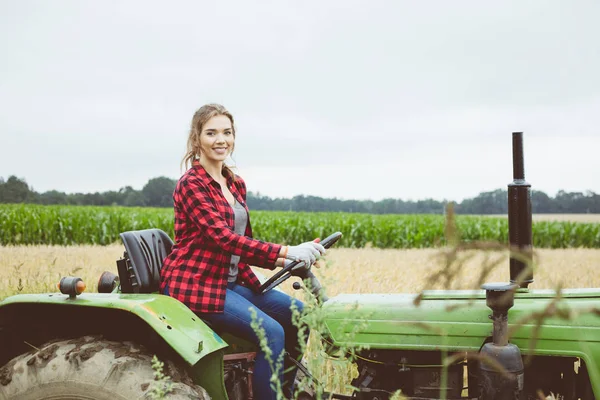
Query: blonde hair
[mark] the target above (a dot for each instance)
(200, 118)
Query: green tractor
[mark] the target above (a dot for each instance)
(502, 342)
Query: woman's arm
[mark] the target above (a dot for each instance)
(194, 199)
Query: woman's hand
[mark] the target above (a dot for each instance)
(307, 252)
(282, 262)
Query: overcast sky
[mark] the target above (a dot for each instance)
(347, 99)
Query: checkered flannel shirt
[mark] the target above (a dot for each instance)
(196, 270)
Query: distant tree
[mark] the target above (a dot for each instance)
(158, 192)
(53, 197)
(430, 206)
(541, 203)
(591, 203)
(385, 206)
(256, 201)
(577, 202)
(495, 202)
(299, 203)
(94, 199)
(564, 201)
(77, 199)
(15, 190)
(134, 199)
(112, 198)
(131, 197)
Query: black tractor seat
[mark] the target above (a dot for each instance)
(145, 252)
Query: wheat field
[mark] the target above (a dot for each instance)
(35, 269)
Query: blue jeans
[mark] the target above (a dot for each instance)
(274, 309)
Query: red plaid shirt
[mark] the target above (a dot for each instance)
(196, 270)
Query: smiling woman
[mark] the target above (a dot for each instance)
(208, 268)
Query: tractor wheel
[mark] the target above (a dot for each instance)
(90, 368)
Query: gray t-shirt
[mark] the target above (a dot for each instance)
(241, 220)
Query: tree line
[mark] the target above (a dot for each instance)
(157, 192)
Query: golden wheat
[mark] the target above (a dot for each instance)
(35, 269)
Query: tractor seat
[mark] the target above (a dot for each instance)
(145, 252)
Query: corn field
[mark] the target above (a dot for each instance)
(74, 225)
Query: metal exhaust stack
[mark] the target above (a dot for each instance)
(501, 370)
(519, 218)
(508, 383)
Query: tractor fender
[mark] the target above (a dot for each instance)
(152, 318)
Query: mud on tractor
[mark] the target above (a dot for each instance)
(430, 345)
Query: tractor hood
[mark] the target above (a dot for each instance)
(459, 321)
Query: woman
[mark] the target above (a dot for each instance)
(208, 268)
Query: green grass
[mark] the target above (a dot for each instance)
(70, 225)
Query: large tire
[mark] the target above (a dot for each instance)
(90, 368)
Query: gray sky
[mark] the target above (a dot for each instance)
(347, 99)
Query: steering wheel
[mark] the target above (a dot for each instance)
(286, 272)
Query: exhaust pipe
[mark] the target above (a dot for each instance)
(519, 218)
(501, 370)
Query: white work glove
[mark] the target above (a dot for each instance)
(286, 263)
(298, 269)
(307, 252)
